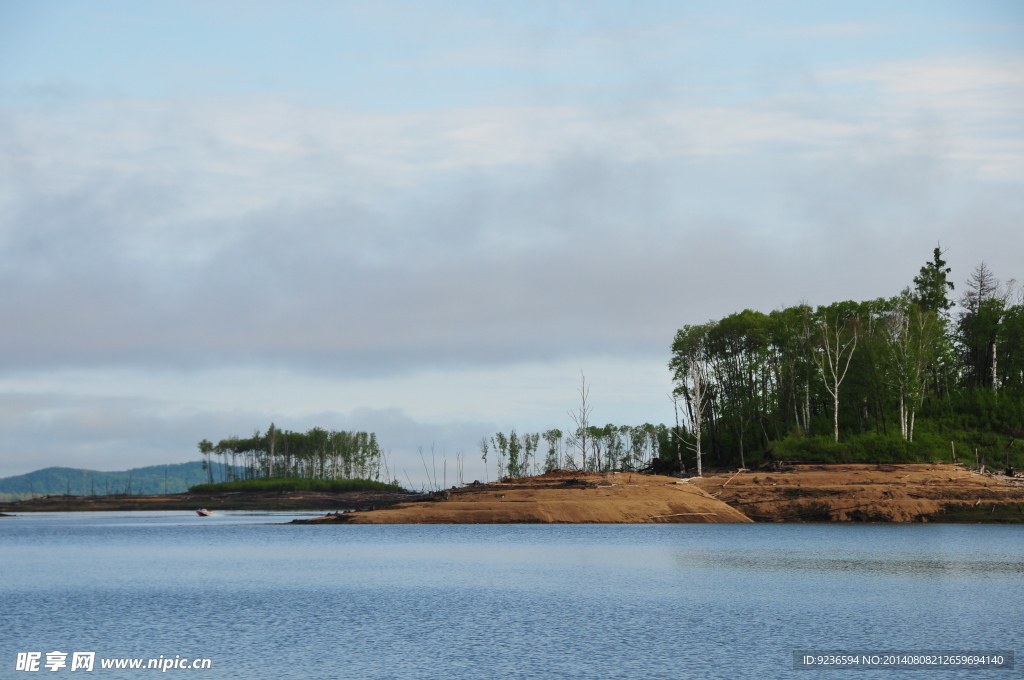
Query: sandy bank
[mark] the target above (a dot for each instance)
(559, 497)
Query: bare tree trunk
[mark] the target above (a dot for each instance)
(582, 421)
(995, 377)
(807, 407)
(743, 429)
(675, 436)
(831, 361)
(835, 412)
(697, 376)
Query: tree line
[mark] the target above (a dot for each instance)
(315, 454)
(901, 376)
(589, 448)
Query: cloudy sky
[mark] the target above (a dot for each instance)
(426, 219)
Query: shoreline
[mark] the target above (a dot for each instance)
(233, 500)
(558, 497)
(840, 493)
(896, 493)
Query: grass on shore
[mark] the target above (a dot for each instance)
(972, 448)
(288, 484)
(982, 513)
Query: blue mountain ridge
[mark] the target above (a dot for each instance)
(152, 479)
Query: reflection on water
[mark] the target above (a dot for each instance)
(779, 560)
(264, 599)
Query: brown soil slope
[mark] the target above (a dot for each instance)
(873, 493)
(559, 497)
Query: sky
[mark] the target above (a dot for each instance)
(428, 220)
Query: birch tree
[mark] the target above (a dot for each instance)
(205, 449)
(837, 335)
(553, 461)
(499, 444)
(910, 334)
(692, 377)
(484, 448)
(698, 389)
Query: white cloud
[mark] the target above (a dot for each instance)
(971, 110)
(185, 232)
(447, 268)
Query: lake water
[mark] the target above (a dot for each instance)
(522, 601)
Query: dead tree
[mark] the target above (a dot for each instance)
(581, 419)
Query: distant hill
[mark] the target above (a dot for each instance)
(153, 479)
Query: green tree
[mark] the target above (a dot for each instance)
(692, 377)
(553, 438)
(499, 443)
(982, 309)
(484, 448)
(1011, 349)
(911, 332)
(205, 449)
(515, 451)
(932, 285)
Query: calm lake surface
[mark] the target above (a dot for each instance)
(522, 601)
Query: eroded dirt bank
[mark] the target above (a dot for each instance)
(558, 497)
(872, 493)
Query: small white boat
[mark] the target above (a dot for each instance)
(203, 512)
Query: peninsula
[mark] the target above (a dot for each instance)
(791, 493)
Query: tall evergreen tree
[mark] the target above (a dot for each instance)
(932, 285)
